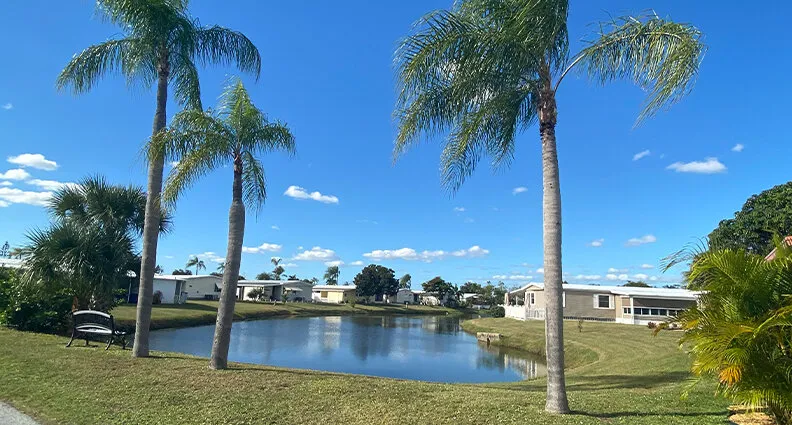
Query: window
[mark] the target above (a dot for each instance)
(323, 294)
(602, 301)
(531, 298)
(627, 310)
(655, 312)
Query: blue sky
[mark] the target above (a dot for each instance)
(327, 72)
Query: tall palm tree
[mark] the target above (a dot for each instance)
(197, 263)
(237, 133)
(161, 43)
(331, 275)
(487, 69)
(221, 267)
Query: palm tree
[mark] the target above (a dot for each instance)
(89, 247)
(194, 261)
(162, 43)
(331, 275)
(487, 69)
(221, 267)
(405, 281)
(237, 132)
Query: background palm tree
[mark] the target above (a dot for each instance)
(221, 267)
(197, 263)
(237, 133)
(90, 246)
(331, 275)
(161, 43)
(487, 69)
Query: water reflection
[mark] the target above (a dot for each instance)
(430, 348)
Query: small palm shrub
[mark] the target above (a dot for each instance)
(740, 333)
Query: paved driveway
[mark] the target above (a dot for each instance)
(11, 416)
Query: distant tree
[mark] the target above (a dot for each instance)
(637, 284)
(376, 280)
(292, 277)
(331, 275)
(275, 260)
(5, 250)
(314, 280)
(277, 272)
(405, 281)
(221, 268)
(217, 274)
(752, 228)
(472, 288)
(264, 276)
(182, 272)
(158, 269)
(674, 286)
(440, 287)
(197, 263)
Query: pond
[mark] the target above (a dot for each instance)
(427, 348)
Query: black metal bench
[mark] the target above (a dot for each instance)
(90, 323)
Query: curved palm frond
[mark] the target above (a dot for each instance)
(186, 85)
(216, 44)
(254, 184)
(85, 69)
(660, 56)
(208, 155)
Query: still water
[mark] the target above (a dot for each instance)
(429, 348)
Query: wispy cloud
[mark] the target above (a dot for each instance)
(596, 243)
(18, 196)
(511, 277)
(298, 192)
(588, 277)
(708, 166)
(15, 174)
(518, 190)
(8, 106)
(615, 270)
(411, 254)
(265, 247)
(641, 154)
(210, 256)
(540, 270)
(738, 147)
(356, 263)
(459, 209)
(366, 221)
(641, 241)
(336, 263)
(273, 227)
(33, 160)
(50, 184)
(647, 266)
(4, 183)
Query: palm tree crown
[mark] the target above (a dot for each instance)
(160, 36)
(197, 263)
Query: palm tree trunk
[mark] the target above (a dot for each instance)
(225, 311)
(151, 225)
(551, 212)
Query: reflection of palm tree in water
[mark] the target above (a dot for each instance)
(523, 363)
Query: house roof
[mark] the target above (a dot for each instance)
(185, 276)
(772, 254)
(651, 292)
(334, 287)
(11, 262)
(269, 283)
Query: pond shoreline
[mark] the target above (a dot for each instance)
(202, 313)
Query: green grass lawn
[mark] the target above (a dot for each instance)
(621, 375)
(195, 313)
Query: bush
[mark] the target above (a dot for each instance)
(497, 311)
(651, 325)
(26, 310)
(156, 297)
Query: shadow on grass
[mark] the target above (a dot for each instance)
(609, 382)
(614, 415)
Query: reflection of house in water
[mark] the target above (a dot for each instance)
(504, 358)
(324, 334)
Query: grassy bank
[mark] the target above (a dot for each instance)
(635, 379)
(196, 313)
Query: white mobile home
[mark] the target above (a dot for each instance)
(275, 290)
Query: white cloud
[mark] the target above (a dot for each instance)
(596, 243)
(459, 209)
(19, 196)
(708, 166)
(588, 277)
(469, 220)
(613, 276)
(640, 276)
(4, 204)
(615, 270)
(33, 160)
(427, 256)
(265, 247)
(6, 184)
(275, 227)
(170, 257)
(738, 147)
(641, 241)
(367, 221)
(297, 192)
(210, 256)
(15, 174)
(641, 154)
(647, 266)
(336, 263)
(316, 253)
(174, 164)
(520, 189)
(540, 270)
(50, 184)
(356, 263)
(290, 265)
(511, 277)
(8, 106)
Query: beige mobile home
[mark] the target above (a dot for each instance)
(617, 304)
(334, 293)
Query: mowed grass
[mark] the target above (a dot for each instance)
(196, 313)
(631, 378)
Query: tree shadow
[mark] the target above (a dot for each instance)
(608, 382)
(614, 415)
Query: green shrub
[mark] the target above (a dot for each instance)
(497, 311)
(28, 310)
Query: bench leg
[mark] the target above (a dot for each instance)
(109, 343)
(86, 342)
(72, 338)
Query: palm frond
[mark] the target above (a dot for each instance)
(216, 44)
(254, 183)
(86, 68)
(205, 157)
(660, 56)
(186, 87)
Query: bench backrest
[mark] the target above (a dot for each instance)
(93, 318)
